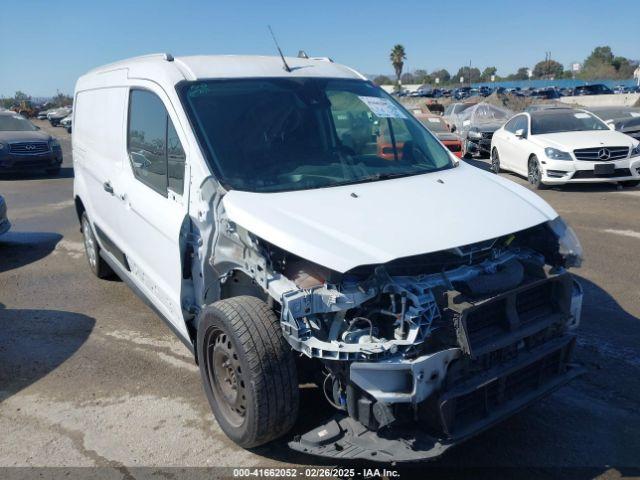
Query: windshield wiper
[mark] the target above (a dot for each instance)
(379, 176)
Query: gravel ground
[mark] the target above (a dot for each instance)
(90, 376)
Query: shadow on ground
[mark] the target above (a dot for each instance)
(18, 249)
(33, 343)
(65, 172)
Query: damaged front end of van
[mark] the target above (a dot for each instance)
(421, 352)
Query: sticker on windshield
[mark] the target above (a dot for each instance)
(466, 122)
(635, 114)
(434, 120)
(581, 115)
(382, 107)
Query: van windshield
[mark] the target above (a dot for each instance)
(277, 134)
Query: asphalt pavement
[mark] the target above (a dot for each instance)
(90, 376)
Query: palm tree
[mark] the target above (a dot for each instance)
(397, 57)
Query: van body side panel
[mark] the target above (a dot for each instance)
(98, 147)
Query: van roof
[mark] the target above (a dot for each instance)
(199, 67)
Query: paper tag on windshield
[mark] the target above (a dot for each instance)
(581, 115)
(634, 114)
(382, 107)
(466, 122)
(434, 120)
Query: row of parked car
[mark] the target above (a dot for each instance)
(548, 93)
(552, 144)
(58, 117)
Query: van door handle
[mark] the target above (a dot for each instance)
(108, 187)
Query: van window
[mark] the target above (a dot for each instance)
(156, 155)
(175, 160)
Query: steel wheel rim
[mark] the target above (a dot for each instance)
(89, 243)
(225, 377)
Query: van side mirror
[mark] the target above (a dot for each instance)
(520, 133)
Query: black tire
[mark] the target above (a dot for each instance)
(630, 183)
(534, 174)
(98, 266)
(53, 171)
(248, 370)
(495, 161)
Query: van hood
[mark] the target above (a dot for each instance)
(568, 141)
(373, 223)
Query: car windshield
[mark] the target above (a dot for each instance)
(546, 121)
(277, 134)
(15, 123)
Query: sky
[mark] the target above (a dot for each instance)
(46, 45)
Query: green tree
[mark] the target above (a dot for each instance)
(470, 74)
(487, 73)
(548, 69)
(602, 63)
(421, 76)
(397, 57)
(21, 97)
(600, 55)
(521, 74)
(382, 80)
(61, 100)
(442, 74)
(624, 67)
(408, 79)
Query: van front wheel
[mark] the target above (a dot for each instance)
(248, 370)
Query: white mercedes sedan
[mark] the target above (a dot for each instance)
(564, 145)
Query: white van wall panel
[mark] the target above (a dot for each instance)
(95, 109)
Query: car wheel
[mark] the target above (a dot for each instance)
(98, 266)
(535, 174)
(495, 161)
(248, 370)
(631, 183)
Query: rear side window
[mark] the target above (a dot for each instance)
(510, 126)
(155, 152)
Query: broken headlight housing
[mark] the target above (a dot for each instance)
(568, 243)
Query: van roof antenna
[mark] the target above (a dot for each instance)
(284, 62)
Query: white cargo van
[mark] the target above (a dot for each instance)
(291, 222)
